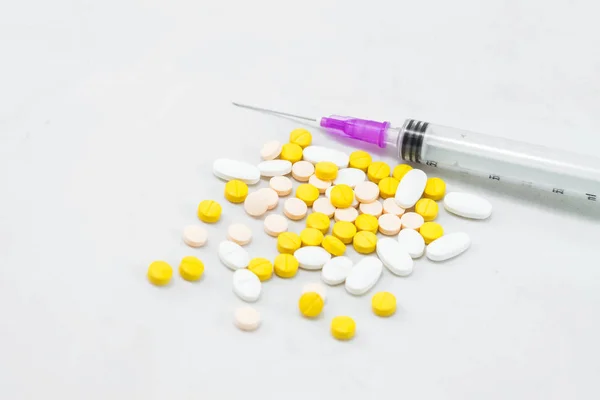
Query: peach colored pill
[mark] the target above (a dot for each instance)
(323, 205)
(295, 209)
(281, 184)
(275, 225)
(412, 220)
(256, 204)
(391, 207)
(271, 196)
(271, 150)
(319, 184)
(389, 224)
(240, 234)
(375, 208)
(346, 214)
(195, 236)
(302, 171)
(366, 192)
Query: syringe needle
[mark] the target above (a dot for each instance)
(273, 111)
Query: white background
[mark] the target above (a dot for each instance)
(112, 112)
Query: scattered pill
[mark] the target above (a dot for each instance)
(320, 184)
(318, 221)
(374, 208)
(344, 231)
(364, 275)
(400, 171)
(281, 184)
(191, 268)
(209, 211)
(394, 257)
(275, 168)
(256, 204)
(246, 318)
(390, 207)
(271, 197)
(311, 237)
(311, 304)
(435, 189)
(275, 225)
(326, 170)
(295, 209)
(336, 270)
(232, 255)
(312, 257)
(431, 231)
(240, 234)
(389, 224)
(365, 242)
(288, 242)
(388, 187)
(366, 192)
(323, 205)
(412, 220)
(427, 208)
(377, 171)
(345, 214)
(448, 246)
(467, 205)
(160, 273)
(411, 188)
(317, 288)
(286, 266)
(195, 236)
(271, 150)
(342, 196)
(246, 285)
(228, 170)
(316, 154)
(412, 241)
(291, 152)
(307, 193)
(383, 304)
(360, 160)
(343, 328)
(350, 177)
(302, 171)
(301, 137)
(334, 246)
(236, 191)
(262, 267)
(367, 222)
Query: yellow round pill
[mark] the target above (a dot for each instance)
(311, 237)
(388, 186)
(367, 222)
(286, 266)
(261, 268)
(400, 171)
(191, 268)
(326, 170)
(334, 246)
(344, 231)
(343, 328)
(427, 208)
(288, 242)
(360, 160)
(236, 191)
(431, 231)
(291, 152)
(307, 193)
(377, 171)
(365, 242)
(341, 196)
(435, 189)
(209, 211)
(160, 273)
(301, 137)
(311, 304)
(318, 221)
(383, 304)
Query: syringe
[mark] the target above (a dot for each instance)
(490, 157)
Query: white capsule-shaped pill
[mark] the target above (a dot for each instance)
(233, 256)
(412, 241)
(315, 154)
(394, 257)
(275, 168)
(467, 205)
(448, 246)
(312, 257)
(411, 188)
(228, 170)
(350, 177)
(364, 275)
(336, 270)
(246, 285)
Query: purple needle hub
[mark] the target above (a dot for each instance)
(356, 128)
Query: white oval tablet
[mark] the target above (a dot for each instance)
(364, 275)
(467, 205)
(448, 246)
(246, 318)
(336, 270)
(228, 170)
(312, 257)
(275, 168)
(233, 256)
(350, 177)
(412, 241)
(411, 188)
(315, 154)
(246, 285)
(394, 257)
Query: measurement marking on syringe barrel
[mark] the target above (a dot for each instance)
(591, 197)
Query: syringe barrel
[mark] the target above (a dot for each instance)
(497, 159)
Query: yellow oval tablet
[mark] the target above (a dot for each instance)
(318, 221)
(311, 304)
(191, 268)
(427, 208)
(388, 186)
(334, 246)
(160, 273)
(288, 242)
(311, 237)
(360, 160)
(236, 191)
(365, 242)
(209, 211)
(383, 304)
(435, 189)
(377, 171)
(344, 231)
(367, 222)
(291, 152)
(343, 328)
(431, 231)
(301, 137)
(261, 268)
(286, 266)
(342, 196)
(400, 171)
(307, 193)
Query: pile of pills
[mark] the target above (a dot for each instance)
(352, 199)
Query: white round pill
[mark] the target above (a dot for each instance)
(275, 225)
(323, 205)
(271, 197)
(346, 214)
(319, 183)
(375, 208)
(366, 192)
(391, 207)
(240, 234)
(295, 209)
(389, 224)
(302, 171)
(271, 150)
(246, 318)
(281, 184)
(412, 220)
(195, 236)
